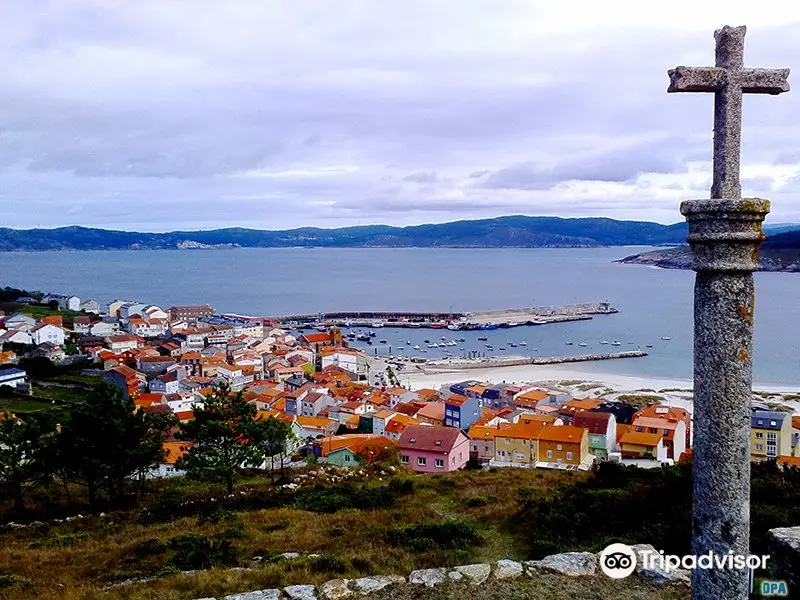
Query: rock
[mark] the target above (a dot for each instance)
(475, 574)
(455, 576)
(574, 564)
(300, 592)
(784, 548)
(290, 555)
(428, 577)
(507, 569)
(366, 585)
(269, 594)
(335, 589)
(655, 573)
(313, 556)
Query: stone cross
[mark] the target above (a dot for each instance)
(724, 235)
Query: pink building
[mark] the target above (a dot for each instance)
(428, 449)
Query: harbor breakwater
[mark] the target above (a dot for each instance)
(487, 363)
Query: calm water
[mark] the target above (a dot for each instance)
(652, 302)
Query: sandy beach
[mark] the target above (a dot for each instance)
(675, 392)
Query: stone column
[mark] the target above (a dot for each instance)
(724, 236)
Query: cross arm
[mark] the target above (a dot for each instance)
(696, 79)
(764, 81)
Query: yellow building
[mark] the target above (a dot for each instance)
(563, 444)
(770, 435)
(517, 445)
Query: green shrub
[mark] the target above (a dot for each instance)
(476, 501)
(168, 570)
(7, 581)
(327, 563)
(235, 531)
(448, 533)
(151, 546)
(337, 531)
(195, 551)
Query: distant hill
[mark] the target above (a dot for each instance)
(500, 232)
(780, 252)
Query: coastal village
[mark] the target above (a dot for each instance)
(346, 408)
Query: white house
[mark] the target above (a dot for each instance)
(102, 329)
(165, 384)
(64, 302)
(350, 360)
(46, 332)
(13, 378)
(16, 337)
(128, 309)
(122, 343)
(19, 322)
(154, 327)
(154, 312)
(90, 306)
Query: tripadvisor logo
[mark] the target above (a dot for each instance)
(618, 561)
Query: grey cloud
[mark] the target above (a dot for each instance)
(422, 177)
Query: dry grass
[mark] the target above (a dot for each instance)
(76, 560)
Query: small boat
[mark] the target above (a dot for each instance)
(383, 341)
(452, 327)
(451, 343)
(616, 343)
(416, 347)
(408, 342)
(569, 343)
(513, 324)
(666, 338)
(604, 342)
(501, 348)
(427, 341)
(523, 343)
(535, 349)
(462, 339)
(372, 334)
(649, 346)
(512, 344)
(583, 344)
(482, 339)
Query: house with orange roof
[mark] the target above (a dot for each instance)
(516, 444)
(672, 430)
(148, 399)
(676, 413)
(123, 342)
(56, 320)
(9, 357)
(315, 340)
(564, 445)
(425, 395)
(570, 408)
(530, 398)
(642, 444)
(400, 394)
(461, 411)
(131, 382)
(481, 441)
(431, 414)
(312, 428)
(397, 425)
(381, 419)
(173, 451)
(363, 451)
(378, 399)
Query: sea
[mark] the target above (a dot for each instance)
(653, 303)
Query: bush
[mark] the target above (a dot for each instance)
(168, 570)
(337, 531)
(476, 501)
(448, 533)
(328, 563)
(195, 551)
(333, 498)
(235, 531)
(150, 547)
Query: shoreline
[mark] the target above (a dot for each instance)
(419, 378)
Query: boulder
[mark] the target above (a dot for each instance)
(366, 585)
(290, 555)
(455, 576)
(784, 549)
(269, 594)
(573, 564)
(336, 589)
(428, 577)
(475, 574)
(300, 592)
(507, 569)
(655, 573)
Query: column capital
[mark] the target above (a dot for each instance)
(725, 234)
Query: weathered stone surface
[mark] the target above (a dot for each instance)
(335, 589)
(300, 592)
(476, 574)
(784, 548)
(574, 564)
(269, 594)
(366, 585)
(428, 577)
(724, 234)
(654, 573)
(455, 576)
(507, 569)
(290, 555)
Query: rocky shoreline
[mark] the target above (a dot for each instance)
(681, 258)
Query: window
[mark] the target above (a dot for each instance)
(639, 428)
(549, 454)
(412, 440)
(559, 461)
(558, 447)
(439, 463)
(347, 458)
(759, 447)
(438, 442)
(404, 459)
(773, 423)
(421, 461)
(666, 432)
(569, 455)
(502, 453)
(759, 435)
(508, 441)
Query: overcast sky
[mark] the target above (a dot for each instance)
(165, 114)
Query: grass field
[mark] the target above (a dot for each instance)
(77, 559)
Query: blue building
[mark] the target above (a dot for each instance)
(461, 412)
